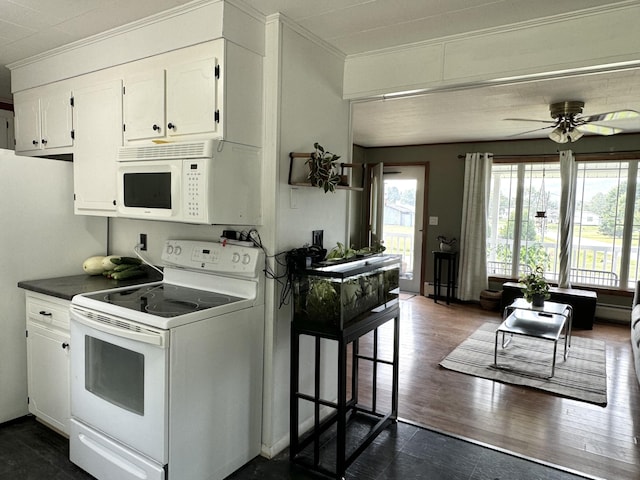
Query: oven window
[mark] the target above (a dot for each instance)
(147, 190)
(115, 374)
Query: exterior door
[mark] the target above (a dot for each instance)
(403, 220)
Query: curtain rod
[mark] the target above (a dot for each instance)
(622, 155)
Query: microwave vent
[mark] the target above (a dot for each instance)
(167, 151)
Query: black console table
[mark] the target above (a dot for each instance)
(450, 259)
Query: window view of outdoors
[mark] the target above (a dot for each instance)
(399, 221)
(524, 214)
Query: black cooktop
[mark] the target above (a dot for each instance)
(164, 300)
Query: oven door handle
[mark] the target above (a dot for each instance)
(150, 337)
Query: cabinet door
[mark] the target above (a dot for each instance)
(98, 127)
(192, 98)
(27, 123)
(6, 140)
(143, 105)
(56, 120)
(48, 375)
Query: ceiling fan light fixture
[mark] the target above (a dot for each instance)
(558, 135)
(574, 135)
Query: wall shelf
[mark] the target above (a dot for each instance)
(298, 172)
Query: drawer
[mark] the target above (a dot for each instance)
(48, 310)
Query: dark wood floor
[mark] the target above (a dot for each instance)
(601, 442)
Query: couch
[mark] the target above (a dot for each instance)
(635, 329)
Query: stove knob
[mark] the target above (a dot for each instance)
(169, 249)
(246, 258)
(177, 250)
(235, 258)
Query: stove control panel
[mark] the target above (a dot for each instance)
(212, 257)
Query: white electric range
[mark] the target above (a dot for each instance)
(166, 377)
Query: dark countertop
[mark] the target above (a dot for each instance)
(67, 287)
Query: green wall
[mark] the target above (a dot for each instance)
(446, 172)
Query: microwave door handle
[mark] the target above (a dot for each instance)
(149, 338)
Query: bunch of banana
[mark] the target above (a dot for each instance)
(123, 267)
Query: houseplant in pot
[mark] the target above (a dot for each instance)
(323, 169)
(536, 288)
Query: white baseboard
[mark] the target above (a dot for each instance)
(614, 313)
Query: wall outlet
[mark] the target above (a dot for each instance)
(143, 241)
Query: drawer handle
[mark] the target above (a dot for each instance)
(45, 313)
(65, 345)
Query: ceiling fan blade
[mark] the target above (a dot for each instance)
(530, 131)
(611, 116)
(598, 129)
(529, 120)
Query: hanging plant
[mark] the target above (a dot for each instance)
(323, 169)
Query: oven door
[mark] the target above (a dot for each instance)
(119, 380)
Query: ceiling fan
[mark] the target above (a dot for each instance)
(569, 125)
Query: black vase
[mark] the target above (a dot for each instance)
(537, 300)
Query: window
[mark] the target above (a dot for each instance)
(523, 222)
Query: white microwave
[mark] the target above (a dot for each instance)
(204, 182)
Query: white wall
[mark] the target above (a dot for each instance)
(124, 235)
(303, 105)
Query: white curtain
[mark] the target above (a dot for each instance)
(568, 176)
(472, 270)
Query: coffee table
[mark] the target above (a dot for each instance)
(534, 324)
(549, 307)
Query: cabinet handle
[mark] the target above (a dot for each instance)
(171, 126)
(156, 128)
(65, 345)
(35, 142)
(45, 313)
(44, 142)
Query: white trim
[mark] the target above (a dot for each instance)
(286, 21)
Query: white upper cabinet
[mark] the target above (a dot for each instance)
(191, 98)
(144, 106)
(178, 101)
(44, 121)
(98, 115)
(213, 90)
(6, 130)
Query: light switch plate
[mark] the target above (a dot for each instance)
(433, 220)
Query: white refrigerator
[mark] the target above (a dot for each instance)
(40, 237)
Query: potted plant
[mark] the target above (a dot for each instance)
(323, 169)
(446, 244)
(536, 288)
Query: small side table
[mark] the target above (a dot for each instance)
(450, 258)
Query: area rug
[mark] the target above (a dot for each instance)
(583, 376)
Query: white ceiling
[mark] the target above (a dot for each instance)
(30, 27)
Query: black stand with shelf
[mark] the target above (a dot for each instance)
(450, 258)
(307, 449)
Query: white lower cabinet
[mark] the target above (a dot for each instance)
(48, 360)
